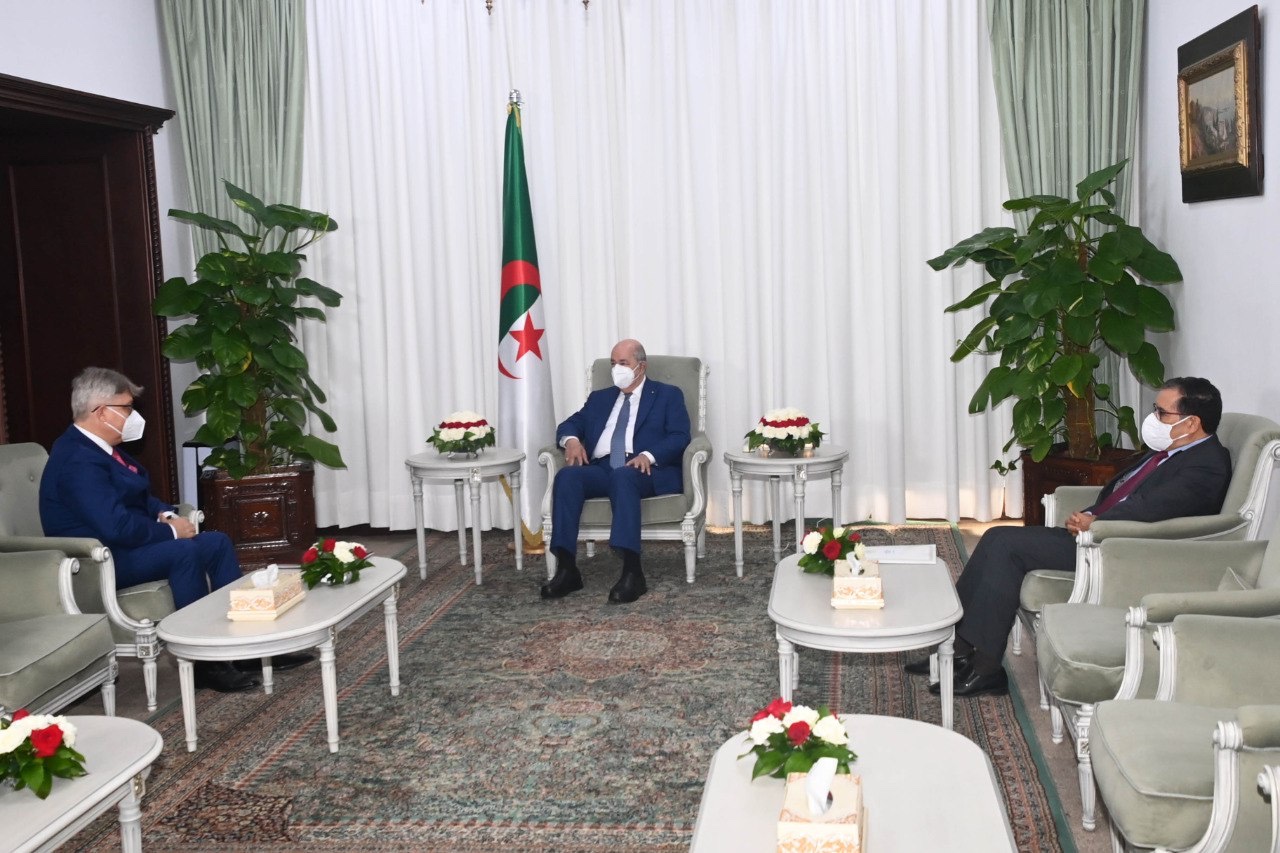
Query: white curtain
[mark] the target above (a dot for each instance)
(756, 183)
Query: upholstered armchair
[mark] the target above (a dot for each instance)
(1087, 653)
(133, 612)
(1178, 772)
(679, 518)
(1254, 443)
(50, 655)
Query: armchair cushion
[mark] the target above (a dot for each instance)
(1080, 650)
(1042, 587)
(41, 655)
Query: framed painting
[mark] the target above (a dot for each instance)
(1219, 114)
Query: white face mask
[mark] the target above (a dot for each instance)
(1157, 434)
(133, 426)
(623, 376)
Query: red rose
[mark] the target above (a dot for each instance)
(778, 708)
(831, 550)
(760, 715)
(798, 733)
(328, 545)
(46, 741)
(855, 537)
(311, 555)
(360, 551)
(20, 713)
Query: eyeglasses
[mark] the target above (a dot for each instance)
(1162, 414)
(126, 406)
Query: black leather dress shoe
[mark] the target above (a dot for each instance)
(921, 667)
(223, 677)
(628, 588)
(567, 580)
(970, 683)
(280, 663)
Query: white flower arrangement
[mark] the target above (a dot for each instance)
(463, 432)
(787, 430)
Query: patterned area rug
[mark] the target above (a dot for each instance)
(528, 725)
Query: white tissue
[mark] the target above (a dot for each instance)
(818, 785)
(265, 578)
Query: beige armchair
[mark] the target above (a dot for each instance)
(671, 518)
(1254, 443)
(1173, 771)
(133, 612)
(50, 655)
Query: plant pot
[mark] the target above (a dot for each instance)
(271, 518)
(1057, 469)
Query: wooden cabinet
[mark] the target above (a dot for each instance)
(271, 518)
(1042, 478)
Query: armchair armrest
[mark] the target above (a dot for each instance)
(1189, 527)
(32, 584)
(1219, 660)
(1133, 568)
(1253, 603)
(90, 549)
(695, 475)
(1066, 500)
(1260, 725)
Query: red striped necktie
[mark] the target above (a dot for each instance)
(115, 454)
(1126, 488)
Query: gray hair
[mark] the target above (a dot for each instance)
(639, 353)
(94, 386)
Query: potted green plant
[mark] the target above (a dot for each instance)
(255, 388)
(1076, 281)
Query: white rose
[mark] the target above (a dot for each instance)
(68, 731)
(859, 552)
(762, 728)
(452, 434)
(342, 550)
(800, 714)
(811, 542)
(831, 730)
(838, 532)
(10, 739)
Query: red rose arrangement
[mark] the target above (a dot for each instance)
(788, 738)
(34, 748)
(822, 547)
(463, 432)
(334, 562)
(784, 431)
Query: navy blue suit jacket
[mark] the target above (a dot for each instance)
(662, 428)
(84, 492)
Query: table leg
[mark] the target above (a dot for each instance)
(268, 677)
(775, 505)
(475, 483)
(329, 683)
(393, 641)
(462, 521)
(131, 819)
(187, 686)
(837, 511)
(945, 667)
(422, 534)
(786, 667)
(802, 477)
(519, 519)
(735, 480)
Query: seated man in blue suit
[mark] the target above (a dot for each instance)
(626, 443)
(90, 488)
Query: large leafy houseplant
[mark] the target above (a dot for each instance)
(1078, 281)
(246, 301)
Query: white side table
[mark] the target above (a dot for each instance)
(827, 461)
(117, 753)
(492, 463)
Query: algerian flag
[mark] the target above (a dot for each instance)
(525, 416)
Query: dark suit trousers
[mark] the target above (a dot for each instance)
(575, 484)
(192, 566)
(992, 579)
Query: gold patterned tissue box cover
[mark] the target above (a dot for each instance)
(857, 592)
(249, 603)
(841, 830)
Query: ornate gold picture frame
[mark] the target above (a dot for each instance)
(1219, 121)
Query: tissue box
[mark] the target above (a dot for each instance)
(841, 830)
(249, 603)
(857, 592)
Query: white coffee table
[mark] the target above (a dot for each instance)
(117, 755)
(921, 609)
(827, 461)
(924, 788)
(492, 463)
(202, 631)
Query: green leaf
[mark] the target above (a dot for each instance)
(1039, 301)
(1028, 247)
(175, 298)
(211, 223)
(185, 343)
(982, 396)
(329, 298)
(231, 350)
(1027, 414)
(1155, 311)
(965, 248)
(1065, 369)
(1122, 333)
(1099, 179)
(196, 398)
(798, 762)
(1125, 295)
(1015, 328)
(1080, 330)
(1106, 267)
(1147, 366)
(1034, 202)
(289, 356)
(1102, 391)
(286, 264)
(971, 341)
(247, 202)
(1126, 424)
(766, 763)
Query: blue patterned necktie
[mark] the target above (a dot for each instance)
(618, 442)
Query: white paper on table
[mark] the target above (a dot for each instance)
(924, 554)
